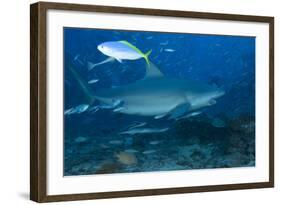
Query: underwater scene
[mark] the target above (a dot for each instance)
(142, 101)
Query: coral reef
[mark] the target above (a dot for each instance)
(194, 143)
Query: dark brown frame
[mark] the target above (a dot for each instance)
(38, 95)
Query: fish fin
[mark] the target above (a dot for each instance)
(83, 85)
(90, 65)
(119, 60)
(179, 110)
(146, 55)
(152, 71)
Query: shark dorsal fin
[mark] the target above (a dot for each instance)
(152, 71)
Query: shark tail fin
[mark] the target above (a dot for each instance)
(83, 85)
(146, 55)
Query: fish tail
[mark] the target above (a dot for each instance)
(91, 66)
(146, 55)
(81, 83)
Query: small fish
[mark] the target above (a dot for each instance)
(154, 142)
(137, 125)
(80, 139)
(126, 158)
(149, 151)
(115, 142)
(164, 43)
(122, 50)
(144, 131)
(91, 65)
(81, 108)
(159, 116)
(94, 109)
(149, 37)
(68, 112)
(169, 50)
(93, 81)
(131, 151)
(77, 58)
(77, 110)
(118, 109)
(189, 115)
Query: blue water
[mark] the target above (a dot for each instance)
(221, 136)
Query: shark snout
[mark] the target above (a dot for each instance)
(220, 93)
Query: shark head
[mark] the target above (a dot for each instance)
(202, 97)
(215, 93)
(218, 93)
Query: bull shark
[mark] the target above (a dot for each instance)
(156, 95)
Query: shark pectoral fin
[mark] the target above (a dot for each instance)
(179, 110)
(152, 71)
(212, 102)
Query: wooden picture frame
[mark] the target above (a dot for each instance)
(38, 100)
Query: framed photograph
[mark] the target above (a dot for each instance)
(134, 102)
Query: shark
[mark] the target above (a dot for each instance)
(156, 95)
